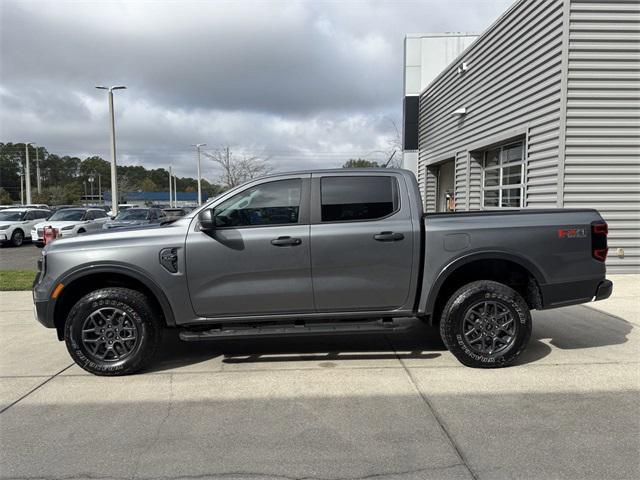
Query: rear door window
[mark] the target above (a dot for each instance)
(351, 198)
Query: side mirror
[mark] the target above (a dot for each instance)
(205, 217)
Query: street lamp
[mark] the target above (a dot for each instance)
(91, 180)
(114, 174)
(38, 181)
(170, 187)
(198, 145)
(22, 186)
(175, 190)
(28, 173)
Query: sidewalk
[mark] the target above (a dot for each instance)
(396, 407)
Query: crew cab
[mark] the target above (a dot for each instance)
(322, 252)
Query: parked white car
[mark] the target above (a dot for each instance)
(16, 224)
(70, 222)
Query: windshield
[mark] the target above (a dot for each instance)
(67, 216)
(11, 216)
(133, 214)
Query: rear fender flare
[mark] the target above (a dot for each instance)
(472, 257)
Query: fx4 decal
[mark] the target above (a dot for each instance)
(572, 233)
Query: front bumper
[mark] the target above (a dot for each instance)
(41, 313)
(604, 290)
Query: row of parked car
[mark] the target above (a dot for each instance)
(28, 222)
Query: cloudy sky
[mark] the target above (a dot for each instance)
(304, 83)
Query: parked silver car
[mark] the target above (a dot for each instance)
(136, 217)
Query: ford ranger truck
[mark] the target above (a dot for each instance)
(323, 252)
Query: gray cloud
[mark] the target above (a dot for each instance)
(306, 83)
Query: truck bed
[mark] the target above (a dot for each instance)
(536, 239)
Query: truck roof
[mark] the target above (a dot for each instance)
(339, 170)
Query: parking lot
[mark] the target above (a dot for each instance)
(392, 407)
(19, 258)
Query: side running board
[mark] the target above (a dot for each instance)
(297, 328)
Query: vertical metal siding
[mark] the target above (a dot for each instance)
(460, 181)
(513, 82)
(431, 190)
(602, 164)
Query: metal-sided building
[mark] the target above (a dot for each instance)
(541, 110)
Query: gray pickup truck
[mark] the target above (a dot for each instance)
(321, 252)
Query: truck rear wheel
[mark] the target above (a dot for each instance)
(113, 331)
(486, 324)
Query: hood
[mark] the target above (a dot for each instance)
(120, 237)
(10, 222)
(57, 225)
(125, 223)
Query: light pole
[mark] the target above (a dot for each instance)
(91, 180)
(170, 189)
(22, 186)
(28, 173)
(114, 173)
(175, 190)
(198, 145)
(38, 170)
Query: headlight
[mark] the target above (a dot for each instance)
(70, 227)
(4, 227)
(42, 265)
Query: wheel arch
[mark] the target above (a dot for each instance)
(89, 278)
(504, 267)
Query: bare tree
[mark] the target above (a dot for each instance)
(238, 169)
(125, 186)
(394, 147)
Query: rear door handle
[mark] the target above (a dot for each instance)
(388, 237)
(286, 241)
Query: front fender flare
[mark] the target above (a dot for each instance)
(122, 269)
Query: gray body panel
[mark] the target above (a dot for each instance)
(238, 271)
(336, 271)
(354, 272)
(528, 237)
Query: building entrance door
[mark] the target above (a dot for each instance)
(445, 201)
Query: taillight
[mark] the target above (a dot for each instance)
(599, 249)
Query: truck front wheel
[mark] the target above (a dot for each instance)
(486, 324)
(113, 331)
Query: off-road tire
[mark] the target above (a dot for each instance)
(17, 237)
(458, 306)
(139, 311)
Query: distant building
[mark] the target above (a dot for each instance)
(540, 111)
(158, 198)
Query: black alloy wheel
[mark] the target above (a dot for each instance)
(489, 327)
(108, 334)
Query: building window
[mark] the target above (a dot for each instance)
(502, 176)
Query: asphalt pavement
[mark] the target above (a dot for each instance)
(19, 258)
(350, 407)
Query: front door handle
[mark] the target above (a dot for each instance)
(388, 237)
(286, 241)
